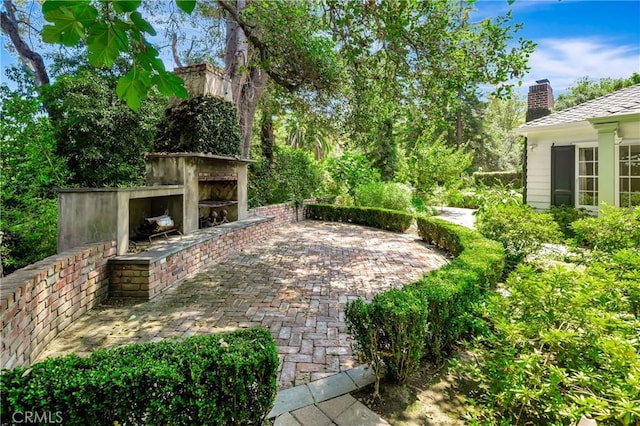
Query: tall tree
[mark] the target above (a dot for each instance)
(585, 89)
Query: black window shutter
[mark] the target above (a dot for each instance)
(563, 175)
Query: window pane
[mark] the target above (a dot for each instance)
(624, 153)
(635, 152)
(635, 184)
(624, 168)
(595, 172)
(624, 200)
(587, 198)
(624, 184)
(595, 156)
(586, 154)
(634, 168)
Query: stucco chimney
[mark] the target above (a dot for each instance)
(204, 80)
(540, 100)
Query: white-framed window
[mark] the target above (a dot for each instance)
(629, 175)
(587, 187)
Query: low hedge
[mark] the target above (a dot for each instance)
(503, 178)
(391, 220)
(226, 378)
(452, 291)
(444, 300)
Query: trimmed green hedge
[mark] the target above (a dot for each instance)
(226, 378)
(452, 291)
(504, 178)
(428, 316)
(201, 124)
(369, 216)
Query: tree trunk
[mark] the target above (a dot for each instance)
(247, 83)
(9, 24)
(267, 138)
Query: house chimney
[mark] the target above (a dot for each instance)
(540, 100)
(203, 80)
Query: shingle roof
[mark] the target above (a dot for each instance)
(623, 101)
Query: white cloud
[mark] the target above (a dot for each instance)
(564, 60)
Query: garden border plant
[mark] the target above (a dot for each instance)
(426, 317)
(225, 378)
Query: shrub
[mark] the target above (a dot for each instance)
(614, 229)
(101, 138)
(503, 178)
(564, 216)
(452, 292)
(227, 378)
(389, 331)
(349, 171)
(201, 124)
(565, 345)
(295, 175)
(385, 195)
(519, 229)
(368, 216)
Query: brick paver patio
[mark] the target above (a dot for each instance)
(296, 284)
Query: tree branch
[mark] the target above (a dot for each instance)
(174, 49)
(9, 25)
(258, 44)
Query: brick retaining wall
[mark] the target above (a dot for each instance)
(40, 300)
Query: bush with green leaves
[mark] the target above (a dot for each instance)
(201, 124)
(512, 178)
(453, 292)
(564, 344)
(426, 317)
(295, 175)
(347, 172)
(30, 170)
(519, 229)
(369, 216)
(613, 229)
(226, 378)
(101, 138)
(389, 331)
(386, 195)
(564, 216)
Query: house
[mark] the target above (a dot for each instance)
(585, 155)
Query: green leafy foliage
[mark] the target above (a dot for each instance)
(585, 89)
(111, 29)
(30, 170)
(294, 176)
(101, 138)
(350, 171)
(613, 229)
(203, 124)
(519, 229)
(564, 216)
(389, 332)
(502, 179)
(227, 378)
(386, 195)
(369, 216)
(565, 344)
(432, 164)
(454, 292)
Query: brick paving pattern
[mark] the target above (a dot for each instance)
(296, 284)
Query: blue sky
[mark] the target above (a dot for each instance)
(595, 38)
(575, 38)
